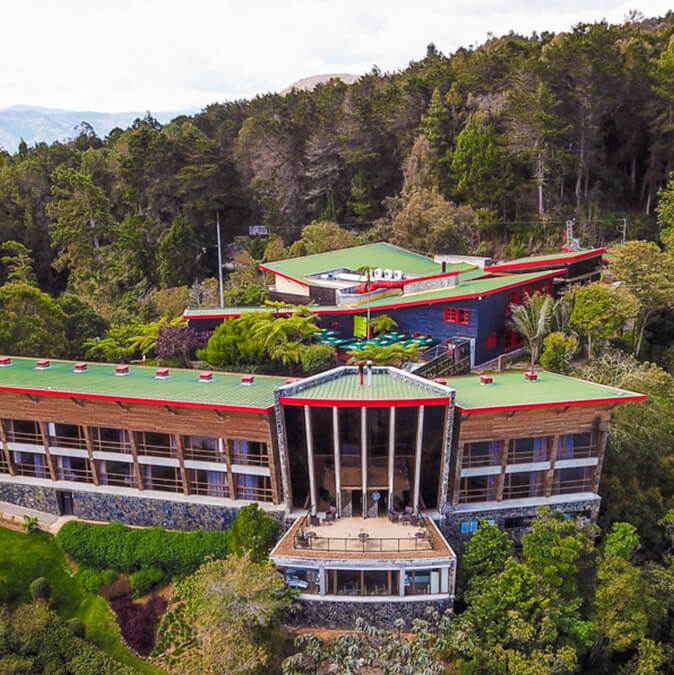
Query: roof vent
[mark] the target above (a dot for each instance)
(486, 379)
(206, 376)
(440, 380)
(80, 367)
(248, 379)
(531, 376)
(42, 364)
(122, 369)
(5, 361)
(292, 380)
(161, 373)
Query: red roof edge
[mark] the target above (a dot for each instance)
(285, 276)
(131, 399)
(362, 403)
(542, 263)
(557, 404)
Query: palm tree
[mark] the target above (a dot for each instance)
(389, 355)
(532, 321)
(383, 324)
(288, 353)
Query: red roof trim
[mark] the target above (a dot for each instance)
(542, 263)
(131, 399)
(285, 276)
(369, 403)
(189, 317)
(454, 298)
(559, 404)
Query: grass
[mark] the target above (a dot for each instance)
(24, 557)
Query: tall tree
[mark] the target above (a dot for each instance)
(532, 321)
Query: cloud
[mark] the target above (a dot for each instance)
(169, 55)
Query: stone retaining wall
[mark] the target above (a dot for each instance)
(331, 614)
(30, 497)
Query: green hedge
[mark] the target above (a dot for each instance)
(127, 550)
(143, 581)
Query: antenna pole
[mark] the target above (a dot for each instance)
(220, 284)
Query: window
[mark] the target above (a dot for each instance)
(482, 453)
(454, 315)
(578, 446)
(511, 339)
(203, 448)
(23, 431)
(249, 452)
(108, 439)
(577, 479)
(155, 444)
(512, 298)
(477, 489)
(469, 526)
(524, 484)
(524, 450)
(491, 341)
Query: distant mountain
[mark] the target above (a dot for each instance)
(35, 124)
(310, 83)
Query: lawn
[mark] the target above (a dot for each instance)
(24, 557)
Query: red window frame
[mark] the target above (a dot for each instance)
(511, 339)
(491, 341)
(455, 315)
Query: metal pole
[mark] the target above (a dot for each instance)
(220, 284)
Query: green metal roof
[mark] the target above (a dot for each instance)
(510, 390)
(181, 388)
(382, 255)
(206, 312)
(385, 388)
(562, 257)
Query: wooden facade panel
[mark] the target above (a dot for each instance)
(142, 417)
(537, 422)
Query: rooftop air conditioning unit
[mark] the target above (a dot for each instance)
(388, 274)
(397, 275)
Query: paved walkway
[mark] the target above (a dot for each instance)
(46, 521)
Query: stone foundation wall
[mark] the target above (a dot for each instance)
(129, 510)
(331, 614)
(30, 497)
(451, 524)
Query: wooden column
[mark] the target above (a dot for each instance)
(603, 438)
(363, 457)
(550, 473)
(338, 459)
(90, 451)
(391, 459)
(503, 456)
(313, 494)
(180, 446)
(417, 460)
(45, 442)
(231, 483)
(5, 448)
(140, 478)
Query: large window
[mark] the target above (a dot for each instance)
(67, 436)
(23, 431)
(422, 582)
(251, 453)
(363, 582)
(524, 484)
(511, 339)
(481, 453)
(30, 464)
(349, 430)
(525, 450)
(155, 444)
(297, 454)
(254, 488)
(163, 478)
(578, 446)
(455, 315)
(477, 489)
(208, 483)
(202, 448)
(119, 474)
(577, 479)
(109, 439)
(72, 468)
(301, 579)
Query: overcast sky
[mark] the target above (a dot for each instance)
(177, 55)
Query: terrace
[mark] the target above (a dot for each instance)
(373, 538)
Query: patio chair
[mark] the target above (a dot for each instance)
(315, 521)
(414, 519)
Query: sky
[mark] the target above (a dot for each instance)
(173, 55)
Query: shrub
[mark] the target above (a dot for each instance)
(558, 349)
(30, 523)
(110, 576)
(91, 579)
(127, 550)
(254, 532)
(77, 627)
(138, 621)
(40, 589)
(144, 580)
(117, 589)
(317, 358)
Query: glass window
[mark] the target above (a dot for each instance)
(422, 582)
(481, 453)
(108, 439)
(578, 446)
(23, 431)
(524, 450)
(469, 526)
(576, 479)
(524, 484)
(477, 489)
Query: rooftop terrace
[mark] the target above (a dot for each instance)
(511, 391)
(141, 385)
